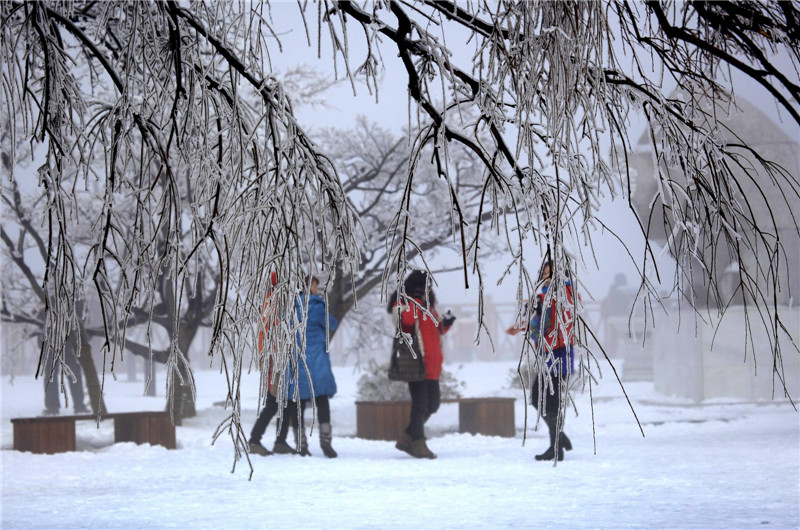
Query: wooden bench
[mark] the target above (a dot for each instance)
(56, 434)
(385, 420)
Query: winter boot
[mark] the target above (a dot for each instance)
(257, 449)
(551, 453)
(404, 443)
(301, 441)
(552, 427)
(419, 449)
(564, 442)
(325, 438)
(282, 448)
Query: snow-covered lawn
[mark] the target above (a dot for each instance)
(720, 465)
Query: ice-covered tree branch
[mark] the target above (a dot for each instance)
(168, 120)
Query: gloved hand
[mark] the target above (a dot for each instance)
(448, 319)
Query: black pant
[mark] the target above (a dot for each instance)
(550, 402)
(267, 413)
(323, 405)
(425, 400)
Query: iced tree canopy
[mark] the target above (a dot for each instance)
(165, 150)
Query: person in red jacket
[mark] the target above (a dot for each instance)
(416, 312)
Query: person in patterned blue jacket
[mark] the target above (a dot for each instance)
(551, 330)
(316, 370)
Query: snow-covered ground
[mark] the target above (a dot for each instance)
(719, 465)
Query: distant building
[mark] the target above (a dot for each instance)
(755, 129)
(693, 357)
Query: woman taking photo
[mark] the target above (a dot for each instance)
(551, 330)
(416, 313)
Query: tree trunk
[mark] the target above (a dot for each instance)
(183, 400)
(149, 376)
(90, 374)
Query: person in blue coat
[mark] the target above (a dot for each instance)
(317, 369)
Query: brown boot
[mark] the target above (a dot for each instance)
(404, 443)
(419, 449)
(282, 448)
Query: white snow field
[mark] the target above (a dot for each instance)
(726, 464)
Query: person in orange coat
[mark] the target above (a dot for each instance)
(271, 405)
(417, 313)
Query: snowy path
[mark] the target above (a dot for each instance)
(734, 465)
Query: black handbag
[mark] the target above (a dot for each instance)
(407, 362)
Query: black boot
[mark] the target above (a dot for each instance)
(325, 438)
(552, 427)
(564, 442)
(550, 454)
